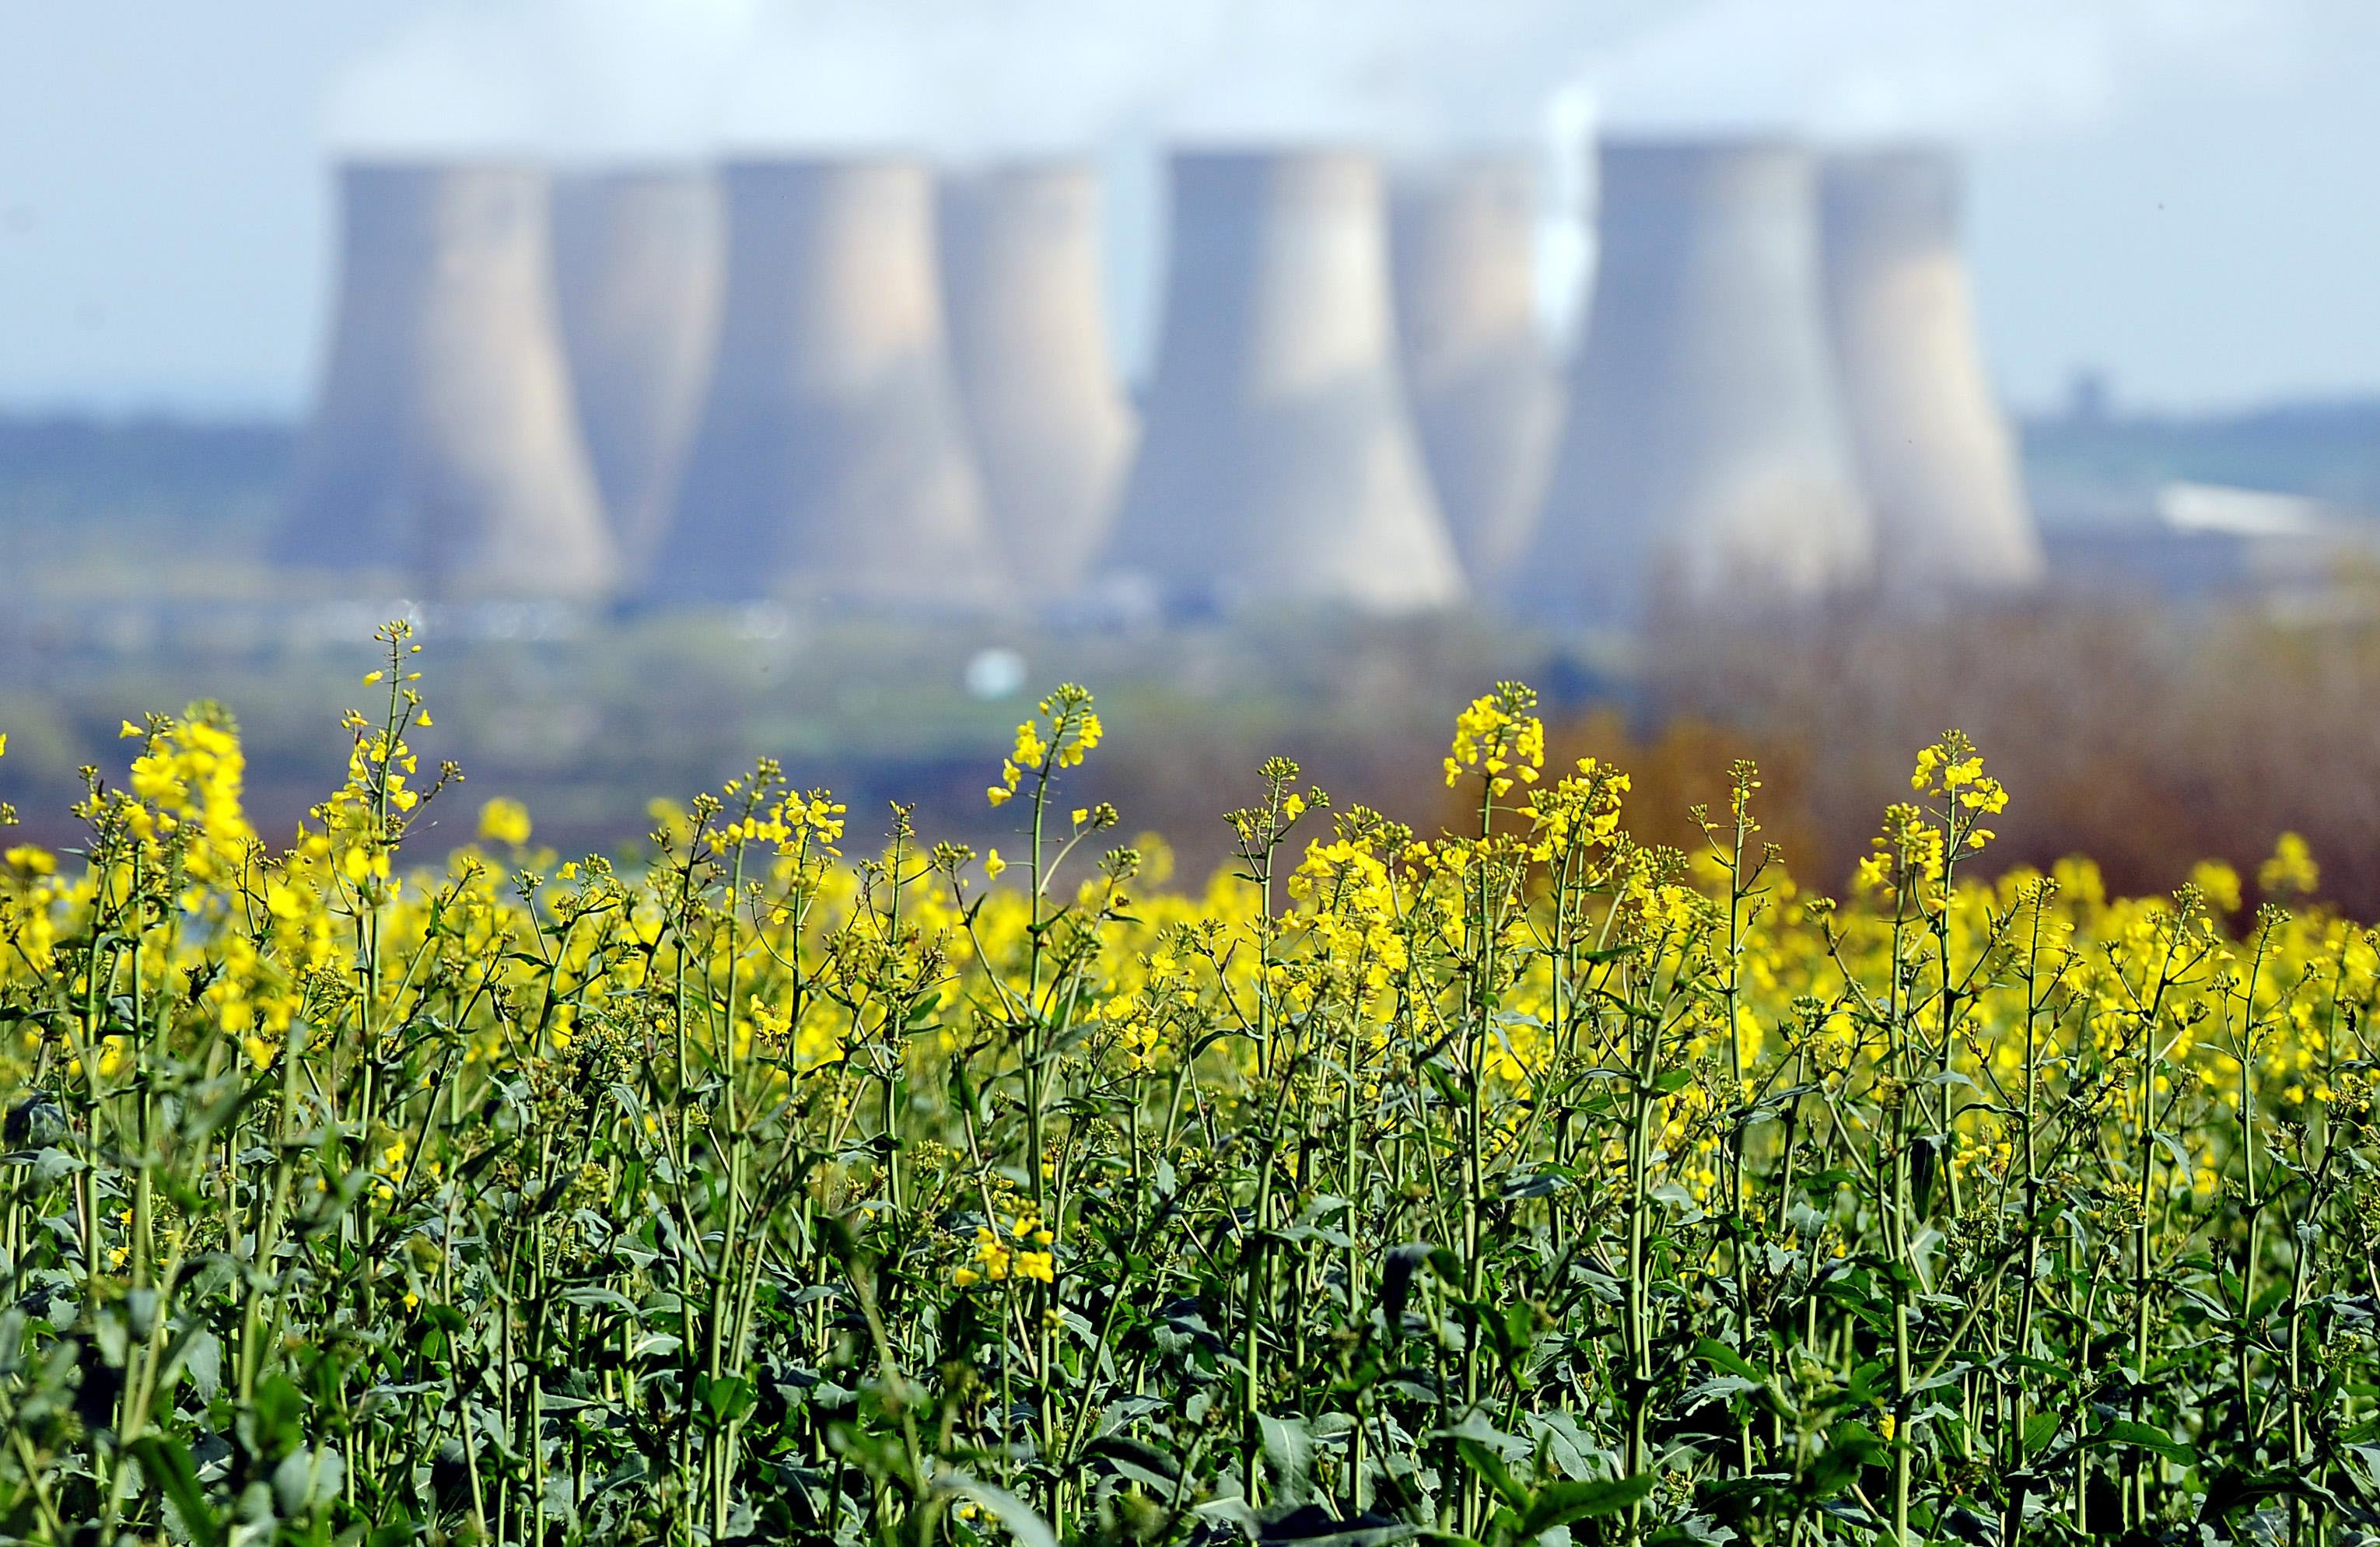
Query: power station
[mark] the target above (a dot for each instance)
(1705, 460)
(445, 449)
(637, 259)
(833, 461)
(1486, 390)
(859, 381)
(1054, 429)
(1277, 459)
(1935, 454)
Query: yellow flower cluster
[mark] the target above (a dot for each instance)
(1951, 769)
(505, 821)
(1066, 730)
(186, 780)
(1498, 737)
(1024, 1253)
(1578, 811)
(792, 823)
(1358, 941)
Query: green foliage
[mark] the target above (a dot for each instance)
(1520, 1185)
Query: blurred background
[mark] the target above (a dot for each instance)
(825, 379)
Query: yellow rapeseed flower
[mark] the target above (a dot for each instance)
(503, 821)
(2291, 869)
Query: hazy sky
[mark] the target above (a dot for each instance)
(2186, 193)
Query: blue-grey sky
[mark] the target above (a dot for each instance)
(2185, 192)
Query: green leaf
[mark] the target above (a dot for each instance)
(1491, 1468)
(1136, 1461)
(167, 1462)
(1719, 1388)
(1852, 1446)
(1315, 1527)
(1719, 1356)
(1726, 1359)
(110, 1331)
(274, 1425)
(1558, 1504)
(2039, 1430)
(2142, 1436)
(201, 1358)
(1289, 1455)
(307, 1480)
(727, 1398)
(1026, 1527)
(1694, 1530)
(2235, 1487)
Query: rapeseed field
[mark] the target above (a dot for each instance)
(814, 1180)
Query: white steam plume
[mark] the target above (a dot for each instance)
(983, 77)
(958, 78)
(1963, 69)
(983, 80)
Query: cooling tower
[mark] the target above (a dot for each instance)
(444, 444)
(1936, 456)
(1277, 458)
(639, 259)
(1703, 458)
(1052, 430)
(833, 461)
(1486, 396)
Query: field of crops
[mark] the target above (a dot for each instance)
(812, 1180)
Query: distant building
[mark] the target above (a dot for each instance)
(1486, 394)
(443, 449)
(833, 461)
(2284, 497)
(2090, 396)
(639, 260)
(1936, 457)
(1278, 459)
(1053, 430)
(1705, 462)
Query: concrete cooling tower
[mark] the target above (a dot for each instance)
(445, 447)
(1705, 462)
(1935, 455)
(1021, 277)
(833, 461)
(1486, 396)
(639, 261)
(1278, 459)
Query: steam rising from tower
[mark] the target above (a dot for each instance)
(1278, 459)
(1028, 336)
(1704, 459)
(1485, 398)
(832, 459)
(1936, 456)
(639, 259)
(444, 444)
